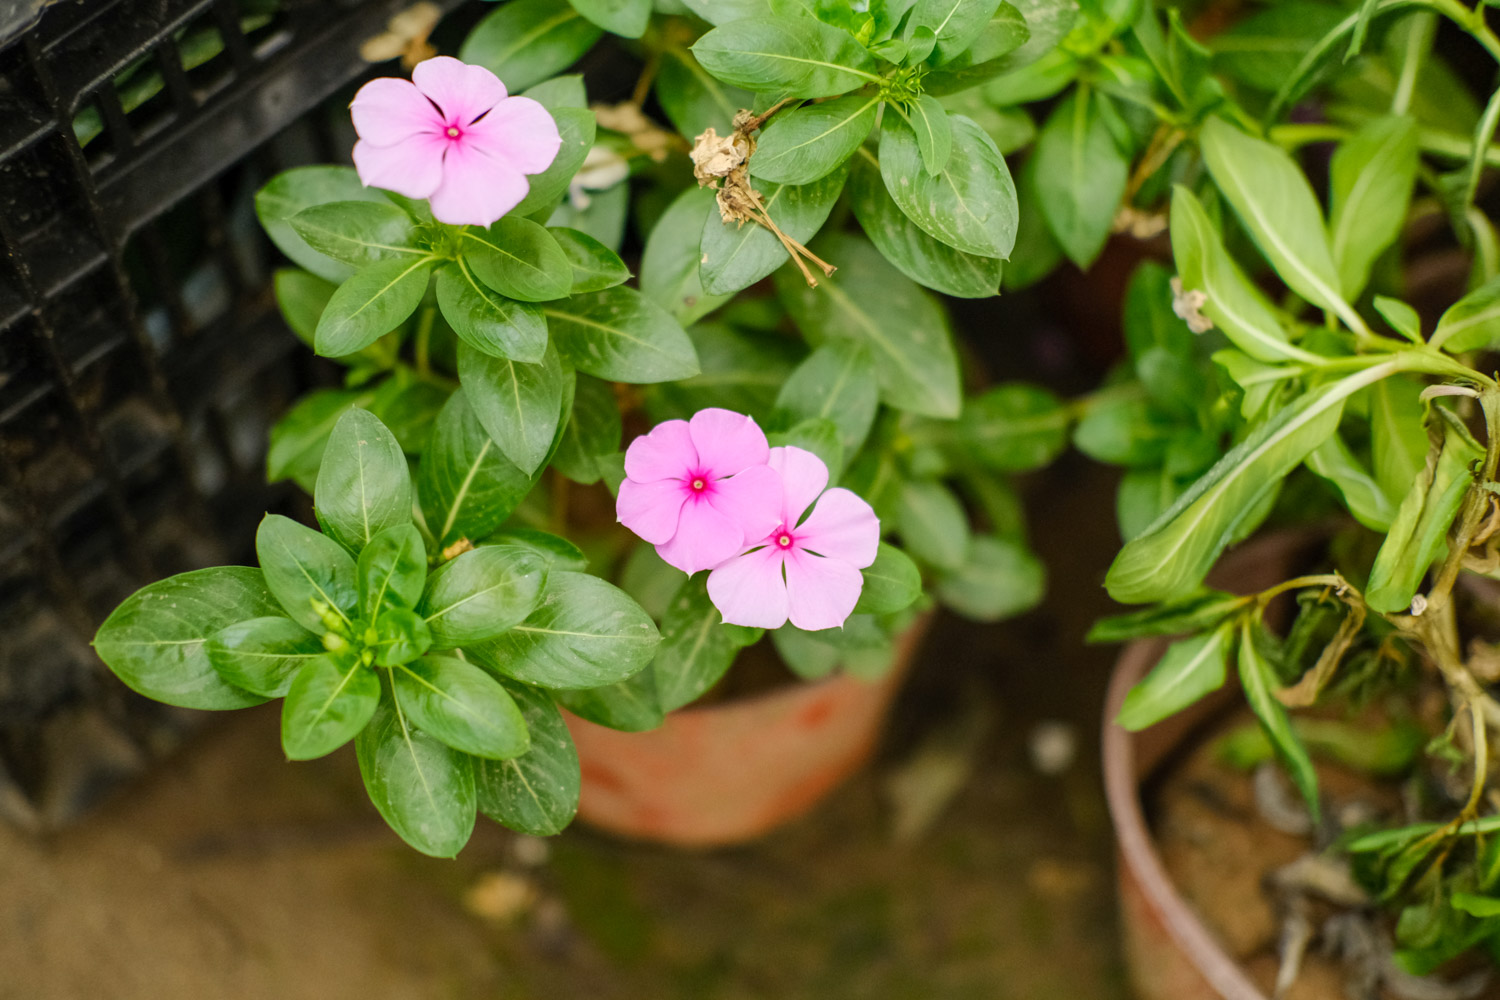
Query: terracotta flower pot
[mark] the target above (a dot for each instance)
(726, 773)
(1169, 952)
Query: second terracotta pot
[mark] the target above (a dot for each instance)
(1169, 952)
(726, 773)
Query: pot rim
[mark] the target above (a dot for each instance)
(1137, 848)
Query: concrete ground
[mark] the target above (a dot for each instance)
(230, 873)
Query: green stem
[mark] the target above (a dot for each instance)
(424, 341)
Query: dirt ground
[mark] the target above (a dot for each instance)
(229, 873)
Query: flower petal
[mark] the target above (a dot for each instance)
(803, 476)
(821, 593)
(843, 527)
(388, 110)
(727, 442)
(704, 539)
(651, 510)
(751, 499)
(519, 131)
(413, 166)
(667, 452)
(476, 189)
(462, 91)
(748, 590)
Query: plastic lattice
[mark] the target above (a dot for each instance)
(141, 359)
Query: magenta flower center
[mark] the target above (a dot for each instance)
(453, 132)
(699, 484)
(783, 540)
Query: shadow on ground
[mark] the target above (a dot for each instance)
(231, 873)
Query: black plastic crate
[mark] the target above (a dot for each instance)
(141, 359)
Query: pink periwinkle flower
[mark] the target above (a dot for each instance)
(700, 489)
(805, 570)
(451, 135)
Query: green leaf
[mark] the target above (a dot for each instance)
(742, 371)
(359, 233)
(364, 485)
(1263, 50)
(954, 23)
(525, 41)
(1419, 531)
(558, 553)
(1258, 678)
(1000, 578)
(329, 702)
(1190, 669)
(797, 57)
(400, 637)
(1398, 439)
(819, 436)
(262, 654)
(1475, 905)
(392, 570)
(891, 583)
(1273, 199)
(810, 142)
(302, 296)
(736, 256)
(461, 705)
(595, 266)
(670, 272)
(929, 121)
(627, 18)
(914, 253)
(155, 640)
(836, 382)
(970, 204)
(482, 593)
(518, 258)
(1081, 176)
(1472, 322)
(723, 11)
(1370, 182)
(1015, 427)
(408, 405)
(1235, 305)
(1361, 493)
(630, 706)
(593, 431)
(291, 191)
(870, 303)
(933, 524)
(299, 439)
(537, 792)
(488, 321)
(311, 574)
(577, 128)
(369, 305)
(1203, 609)
(696, 646)
(467, 487)
(1125, 429)
(1010, 42)
(423, 788)
(693, 100)
(519, 405)
(585, 633)
(809, 658)
(560, 92)
(1172, 556)
(619, 335)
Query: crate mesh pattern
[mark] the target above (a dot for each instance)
(142, 362)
